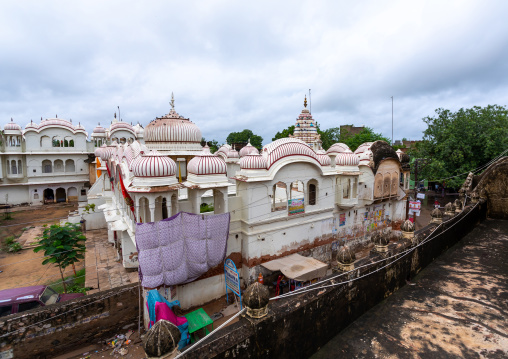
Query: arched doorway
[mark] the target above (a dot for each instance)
(72, 194)
(164, 208)
(60, 195)
(49, 195)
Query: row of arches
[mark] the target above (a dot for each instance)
(161, 209)
(122, 140)
(58, 166)
(386, 185)
(296, 198)
(13, 141)
(58, 195)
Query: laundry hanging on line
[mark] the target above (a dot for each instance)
(181, 248)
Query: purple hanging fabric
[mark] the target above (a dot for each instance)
(181, 248)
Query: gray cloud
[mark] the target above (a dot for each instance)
(236, 65)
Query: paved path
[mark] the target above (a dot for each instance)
(103, 270)
(456, 308)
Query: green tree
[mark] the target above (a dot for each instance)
(63, 245)
(244, 136)
(456, 143)
(213, 144)
(367, 135)
(285, 133)
(329, 136)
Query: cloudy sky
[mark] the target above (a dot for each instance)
(236, 64)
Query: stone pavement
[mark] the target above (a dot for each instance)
(104, 270)
(457, 307)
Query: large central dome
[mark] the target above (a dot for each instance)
(173, 133)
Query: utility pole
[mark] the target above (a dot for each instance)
(392, 120)
(310, 104)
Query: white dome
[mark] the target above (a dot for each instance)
(226, 151)
(108, 152)
(324, 159)
(154, 164)
(117, 126)
(207, 164)
(249, 150)
(31, 126)
(253, 162)
(12, 127)
(285, 147)
(98, 129)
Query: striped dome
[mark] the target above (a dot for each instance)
(347, 159)
(98, 129)
(249, 150)
(99, 150)
(154, 164)
(337, 148)
(117, 126)
(207, 164)
(172, 128)
(363, 147)
(136, 149)
(253, 162)
(31, 126)
(108, 152)
(226, 151)
(12, 126)
(285, 147)
(323, 158)
(128, 155)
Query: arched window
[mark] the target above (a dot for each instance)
(164, 208)
(59, 166)
(14, 170)
(45, 141)
(69, 166)
(20, 168)
(378, 186)
(280, 197)
(386, 184)
(312, 194)
(47, 166)
(71, 143)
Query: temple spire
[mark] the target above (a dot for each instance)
(172, 103)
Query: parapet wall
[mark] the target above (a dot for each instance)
(298, 326)
(48, 331)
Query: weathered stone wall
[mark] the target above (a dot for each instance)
(493, 186)
(45, 332)
(297, 326)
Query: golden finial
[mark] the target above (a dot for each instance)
(305, 102)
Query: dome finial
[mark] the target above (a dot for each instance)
(305, 102)
(172, 103)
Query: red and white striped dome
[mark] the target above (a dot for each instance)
(31, 126)
(253, 162)
(226, 151)
(337, 148)
(108, 152)
(99, 129)
(248, 150)
(154, 164)
(363, 147)
(207, 164)
(117, 126)
(347, 159)
(99, 150)
(172, 128)
(323, 158)
(136, 149)
(12, 127)
(128, 155)
(285, 147)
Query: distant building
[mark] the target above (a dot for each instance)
(347, 131)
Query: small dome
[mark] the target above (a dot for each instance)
(207, 164)
(248, 150)
(139, 130)
(31, 126)
(172, 128)
(108, 152)
(227, 152)
(162, 339)
(380, 239)
(98, 151)
(363, 147)
(436, 213)
(253, 162)
(345, 255)
(154, 164)
(337, 148)
(12, 127)
(347, 158)
(324, 159)
(408, 226)
(449, 207)
(99, 129)
(256, 298)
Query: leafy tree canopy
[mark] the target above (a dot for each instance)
(367, 135)
(285, 133)
(459, 142)
(213, 144)
(244, 136)
(62, 245)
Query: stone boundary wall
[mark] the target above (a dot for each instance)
(66, 326)
(296, 327)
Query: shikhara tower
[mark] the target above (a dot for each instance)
(306, 129)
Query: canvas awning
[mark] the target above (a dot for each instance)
(298, 267)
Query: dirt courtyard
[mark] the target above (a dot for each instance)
(24, 268)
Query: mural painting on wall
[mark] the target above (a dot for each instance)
(342, 220)
(295, 206)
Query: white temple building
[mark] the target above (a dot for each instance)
(287, 198)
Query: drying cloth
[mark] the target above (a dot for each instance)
(181, 248)
(155, 304)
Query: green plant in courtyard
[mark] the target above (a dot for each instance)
(89, 207)
(63, 245)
